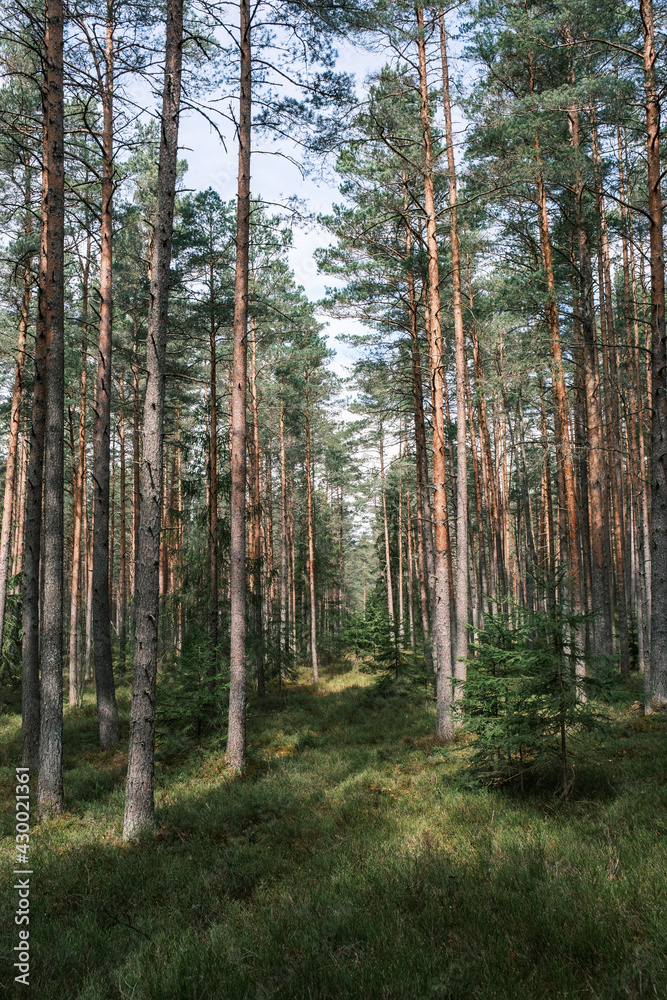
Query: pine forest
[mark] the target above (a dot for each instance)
(333, 465)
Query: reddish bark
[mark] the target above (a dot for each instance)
(441, 623)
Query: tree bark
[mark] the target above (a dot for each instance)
(256, 517)
(107, 711)
(401, 612)
(284, 536)
(615, 471)
(52, 306)
(139, 801)
(633, 421)
(311, 543)
(136, 465)
(642, 493)
(597, 471)
(122, 567)
(411, 599)
(179, 535)
(268, 581)
(17, 545)
(15, 419)
(236, 733)
(214, 582)
(462, 583)
(656, 688)
(489, 481)
(481, 562)
(423, 525)
(562, 430)
(75, 675)
(112, 526)
(88, 556)
(441, 623)
(387, 553)
(33, 527)
(292, 574)
(549, 549)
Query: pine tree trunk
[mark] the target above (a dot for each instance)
(581, 314)
(610, 371)
(597, 472)
(615, 472)
(256, 516)
(15, 419)
(33, 527)
(179, 507)
(268, 583)
(255, 519)
(122, 567)
(173, 548)
(112, 526)
(292, 574)
(561, 425)
(606, 321)
(641, 488)
(139, 800)
(387, 554)
(136, 465)
(75, 592)
(311, 543)
(531, 551)
(88, 555)
(489, 482)
(107, 711)
(657, 683)
(52, 306)
(236, 734)
(284, 536)
(549, 549)
(441, 622)
(632, 412)
(400, 565)
(423, 524)
(17, 546)
(481, 562)
(462, 584)
(214, 582)
(411, 598)
(341, 560)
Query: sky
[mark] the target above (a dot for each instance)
(275, 179)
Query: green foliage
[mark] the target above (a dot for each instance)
(188, 696)
(525, 701)
(328, 869)
(371, 636)
(367, 632)
(10, 658)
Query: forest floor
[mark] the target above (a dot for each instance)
(354, 859)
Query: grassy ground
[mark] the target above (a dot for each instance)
(352, 860)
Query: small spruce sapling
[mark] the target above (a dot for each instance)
(524, 705)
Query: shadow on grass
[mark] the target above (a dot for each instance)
(347, 863)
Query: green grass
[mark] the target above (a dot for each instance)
(354, 859)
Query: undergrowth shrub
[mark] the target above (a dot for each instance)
(10, 654)
(376, 642)
(532, 693)
(190, 696)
